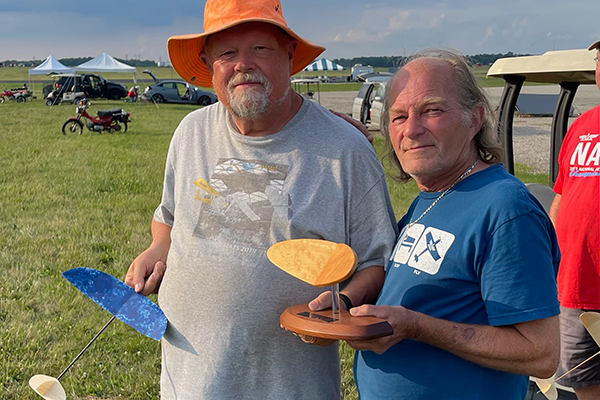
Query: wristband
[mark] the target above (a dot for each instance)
(346, 301)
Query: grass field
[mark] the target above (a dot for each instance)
(71, 201)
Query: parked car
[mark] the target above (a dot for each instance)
(178, 91)
(377, 105)
(368, 103)
(77, 87)
(362, 103)
(375, 77)
(95, 86)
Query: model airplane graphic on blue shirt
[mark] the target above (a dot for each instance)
(431, 248)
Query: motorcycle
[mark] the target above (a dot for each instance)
(19, 95)
(115, 119)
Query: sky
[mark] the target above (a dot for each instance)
(34, 29)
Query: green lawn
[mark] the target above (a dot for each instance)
(71, 201)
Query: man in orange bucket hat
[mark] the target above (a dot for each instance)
(222, 15)
(260, 166)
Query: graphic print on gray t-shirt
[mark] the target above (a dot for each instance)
(239, 201)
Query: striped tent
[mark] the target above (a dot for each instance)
(324, 64)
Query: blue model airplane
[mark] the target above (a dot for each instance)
(431, 248)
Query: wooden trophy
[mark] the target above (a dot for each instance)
(323, 263)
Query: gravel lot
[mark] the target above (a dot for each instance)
(531, 135)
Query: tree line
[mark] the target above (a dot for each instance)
(395, 61)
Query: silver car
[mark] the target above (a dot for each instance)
(178, 91)
(368, 104)
(377, 106)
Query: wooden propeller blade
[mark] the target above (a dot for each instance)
(47, 387)
(314, 261)
(547, 387)
(591, 321)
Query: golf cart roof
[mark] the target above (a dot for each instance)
(567, 68)
(305, 80)
(551, 67)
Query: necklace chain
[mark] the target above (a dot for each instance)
(467, 172)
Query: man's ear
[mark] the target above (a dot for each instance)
(477, 115)
(291, 52)
(206, 61)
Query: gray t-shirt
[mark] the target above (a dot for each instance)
(228, 197)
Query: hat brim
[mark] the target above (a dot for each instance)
(184, 53)
(595, 45)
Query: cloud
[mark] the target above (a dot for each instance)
(397, 22)
(517, 28)
(489, 34)
(370, 28)
(360, 36)
(437, 20)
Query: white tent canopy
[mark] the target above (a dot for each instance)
(51, 66)
(324, 64)
(105, 63)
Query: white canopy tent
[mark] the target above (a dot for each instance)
(50, 66)
(105, 63)
(324, 64)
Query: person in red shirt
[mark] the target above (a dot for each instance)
(575, 214)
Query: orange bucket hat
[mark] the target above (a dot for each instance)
(184, 50)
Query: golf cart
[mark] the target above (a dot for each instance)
(67, 89)
(302, 87)
(567, 68)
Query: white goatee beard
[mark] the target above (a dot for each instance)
(251, 103)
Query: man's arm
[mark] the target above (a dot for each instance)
(527, 348)
(147, 270)
(357, 124)
(553, 212)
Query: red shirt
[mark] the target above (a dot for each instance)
(577, 225)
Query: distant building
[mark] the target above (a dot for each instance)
(359, 69)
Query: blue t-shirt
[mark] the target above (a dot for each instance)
(485, 254)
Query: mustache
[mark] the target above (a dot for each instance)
(244, 77)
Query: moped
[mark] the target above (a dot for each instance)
(115, 119)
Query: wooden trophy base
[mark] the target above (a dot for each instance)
(300, 319)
